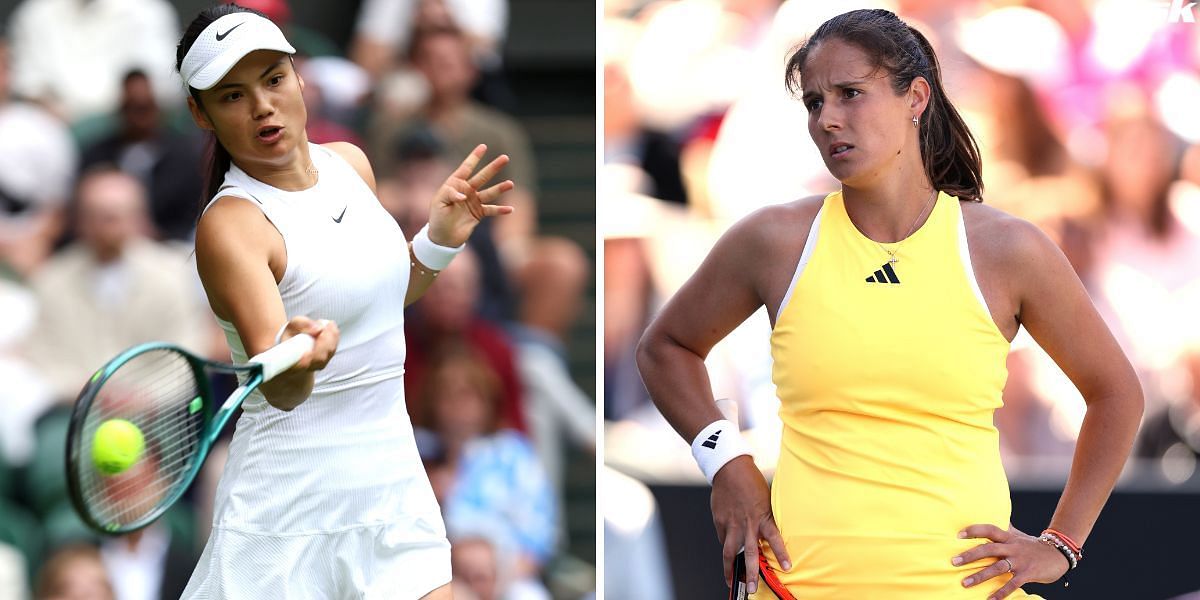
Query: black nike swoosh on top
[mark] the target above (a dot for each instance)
(221, 36)
(338, 219)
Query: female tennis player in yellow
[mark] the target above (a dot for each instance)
(893, 302)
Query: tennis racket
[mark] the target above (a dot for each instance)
(768, 581)
(737, 591)
(157, 408)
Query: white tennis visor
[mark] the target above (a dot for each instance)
(226, 41)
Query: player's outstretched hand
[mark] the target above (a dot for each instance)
(463, 201)
(741, 507)
(325, 341)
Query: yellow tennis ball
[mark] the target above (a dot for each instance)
(117, 445)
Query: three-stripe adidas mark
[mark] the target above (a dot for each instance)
(884, 274)
(711, 442)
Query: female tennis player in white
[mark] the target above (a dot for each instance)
(323, 495)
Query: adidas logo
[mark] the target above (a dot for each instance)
(711, 442)
(884, 274)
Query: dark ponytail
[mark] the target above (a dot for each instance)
(948, 150)
(216, 155)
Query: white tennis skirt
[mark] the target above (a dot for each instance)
(328, 501)
(365, 562)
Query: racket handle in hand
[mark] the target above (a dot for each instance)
(283, 356)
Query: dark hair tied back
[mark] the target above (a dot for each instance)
(948, 150)
(216, 155)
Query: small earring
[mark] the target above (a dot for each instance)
(915, 122)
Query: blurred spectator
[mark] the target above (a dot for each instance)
(71, 54)
(385, 28)
(445, 316)
(627, 142)
(538, 396)
(674, 65)
(691, 59)
(13, 585)
(441, 56)
(549, 273)
(24, 394)
(477, 564)
(1172, 436)
(627, 306)
(110, 289)
(164, 161)
(1146, 255)
(149, 564)
(635, 554)
(324, 124)
(1024, 136)
(37, 162)
(419, 169)
(473, 561)
(551, 279)
(74, 572)
(557, 411)
(640, 167)
(1027, 149)
(499, 486)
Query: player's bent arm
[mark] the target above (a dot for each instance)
(419, 278)
(234, 254)
(718, 297)
(724, 291)
(1055, 308)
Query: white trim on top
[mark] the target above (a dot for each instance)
(964, 253)
(809, 245)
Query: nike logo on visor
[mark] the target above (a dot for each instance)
(221, 36)
(338, 219)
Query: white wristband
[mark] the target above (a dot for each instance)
(716, 445)
(430, 254)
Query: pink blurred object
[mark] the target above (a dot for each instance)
(278, 11)
(323, 131)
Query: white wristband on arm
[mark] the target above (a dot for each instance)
(716, 445)
(430, 254)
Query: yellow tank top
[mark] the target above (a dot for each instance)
(888, 376)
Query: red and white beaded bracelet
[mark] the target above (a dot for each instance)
(1069, 549)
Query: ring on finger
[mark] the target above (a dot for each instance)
(1009, 564)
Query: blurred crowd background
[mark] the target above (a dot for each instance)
(100, 189)
(1086, 116)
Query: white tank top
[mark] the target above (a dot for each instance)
(346, 456)
(347, 261)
